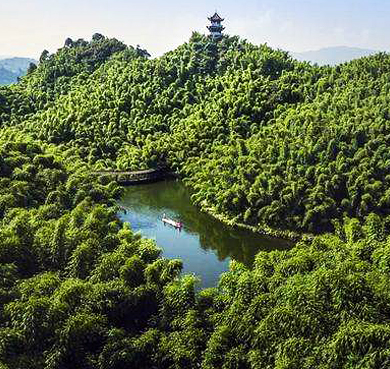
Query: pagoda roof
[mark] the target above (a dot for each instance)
(216, 18)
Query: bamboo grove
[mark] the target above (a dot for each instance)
(262, 140)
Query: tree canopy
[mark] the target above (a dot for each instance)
(263, 140)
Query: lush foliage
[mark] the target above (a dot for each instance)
(263, 140)
(72, 275)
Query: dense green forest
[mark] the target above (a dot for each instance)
(262, 140)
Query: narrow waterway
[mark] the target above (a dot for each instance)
(205, 245)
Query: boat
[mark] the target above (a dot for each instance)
(172, 222)
(123, 209)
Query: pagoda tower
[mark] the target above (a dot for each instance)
(216, 27)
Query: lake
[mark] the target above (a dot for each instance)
(205, 245)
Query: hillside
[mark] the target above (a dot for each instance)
(285, 128)
(263, 140)
(13, 68)
(333, 55)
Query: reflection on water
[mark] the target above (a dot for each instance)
(204, 244)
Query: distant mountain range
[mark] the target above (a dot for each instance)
(12, 68)
(333, 55)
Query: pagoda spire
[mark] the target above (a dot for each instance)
(216, 27)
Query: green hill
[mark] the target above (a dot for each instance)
(263, 140)
(295, 138)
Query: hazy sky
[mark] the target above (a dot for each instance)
(29, 26)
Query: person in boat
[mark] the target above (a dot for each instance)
(171, 221)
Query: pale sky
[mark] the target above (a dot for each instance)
(29, 26)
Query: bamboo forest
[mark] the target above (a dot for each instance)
(278, 146)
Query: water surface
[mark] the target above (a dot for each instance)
(205, 244)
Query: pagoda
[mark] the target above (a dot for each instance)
(216, 27)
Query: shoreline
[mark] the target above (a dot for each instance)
(208, 209)
(265, 231)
